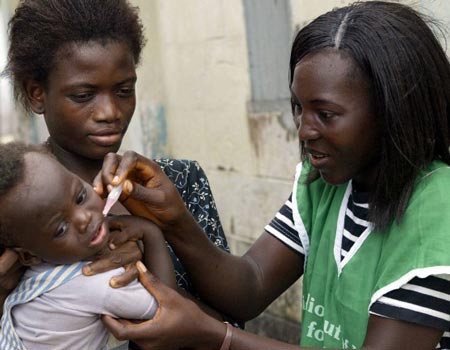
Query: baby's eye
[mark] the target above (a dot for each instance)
(81, 196)
(61, 230)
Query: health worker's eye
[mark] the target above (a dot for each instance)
(81, 196)
(296, 107)
(296, 113)
(125, 92)
(325, 114)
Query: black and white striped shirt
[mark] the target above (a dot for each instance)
(424, 301)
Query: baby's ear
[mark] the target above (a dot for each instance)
(27, 258)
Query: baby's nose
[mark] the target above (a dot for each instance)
(83, 219)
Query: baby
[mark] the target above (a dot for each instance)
(54, 221)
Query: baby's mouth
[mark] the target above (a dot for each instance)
(99, 235)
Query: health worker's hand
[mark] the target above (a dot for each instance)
(178, 322)
(147, 191)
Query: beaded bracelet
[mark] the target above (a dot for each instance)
(227, 340)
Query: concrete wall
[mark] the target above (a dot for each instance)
(194, 93)
(195, 71)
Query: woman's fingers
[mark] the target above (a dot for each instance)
(151, 282)
(107, 173)
(143, 333)
(127, 164)
(11, 270)
(119, 231)
(123, 255)
(130, 274)
(148, 192)
(116, 169)
(125, 228)
(7, 261)
(142, 169)
(178, 322)
(145, 202)
(97, 184)
(132, 166)
(118, 327)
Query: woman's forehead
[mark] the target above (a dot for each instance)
(93, 60)
(330, 68)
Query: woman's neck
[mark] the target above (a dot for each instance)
(85, 168)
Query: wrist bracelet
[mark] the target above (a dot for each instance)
(227, 340)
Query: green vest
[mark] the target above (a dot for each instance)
(337, 295)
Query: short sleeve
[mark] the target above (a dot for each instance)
(282, 227)
(424, 301)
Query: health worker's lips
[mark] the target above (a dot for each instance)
(100, 235)
(318, 159)
(109, 138)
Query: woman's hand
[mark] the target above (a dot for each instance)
(130, 228)
(11, 271)
(178, 322)
(147, 192)
(124, 255)
(156, 254)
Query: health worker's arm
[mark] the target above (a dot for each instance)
(179, 323)
(239, 286)
(228, 282)
(127, 228)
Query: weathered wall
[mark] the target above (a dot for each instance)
(196, 73)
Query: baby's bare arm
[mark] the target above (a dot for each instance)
(157, 258)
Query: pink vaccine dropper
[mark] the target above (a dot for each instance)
(113, 197)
